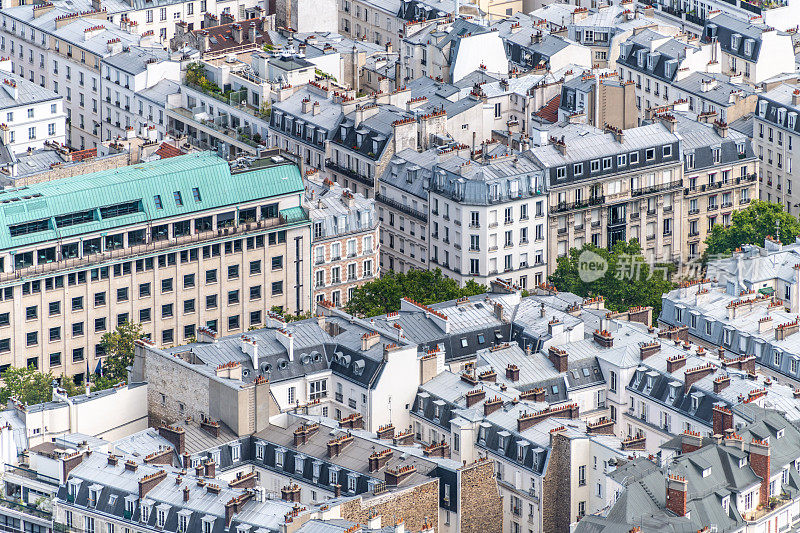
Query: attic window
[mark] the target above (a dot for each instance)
(464, 342)
(780, 433)
(481, 338)
(178, 198)
(706, 472)
(554, 388)
(742, 462)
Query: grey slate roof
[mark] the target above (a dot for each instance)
(27, 92)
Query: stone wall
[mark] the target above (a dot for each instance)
(412, 505)
(178, 385)
(481, 505)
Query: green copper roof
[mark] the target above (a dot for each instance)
(206, 172)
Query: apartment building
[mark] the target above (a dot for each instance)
(344, 241)
(741, 42)
(775, 134)
(32, 115)
(60, 46)
(720, 174)
(655, 61)
(452, 50)
(90, 253)
(539, 453)
(749, 310)
(126, 76)
(488, 218)
(303, 123)
(384, 23)
(402, 205)
(599, 99)
(64, 56)
(605, 187)
(715, 96)
(746, 471)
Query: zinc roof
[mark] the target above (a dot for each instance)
(202, 170)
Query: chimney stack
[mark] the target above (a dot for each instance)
(676, 494)
(760, 463)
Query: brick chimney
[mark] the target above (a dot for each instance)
(676, 494)
(558, 357)
(385, 432)
(603, 338)
(303, 432)
(69, 462)
(475, 396)
(646, 349)
(722, 419)
(209, 426)
(291, 493)
(148, 482)
(209, 468)
(760, 463)
(534, 395)
(691, 441)
(378, 460)
(491, 405)
(693, 375)
(512, 372)
(186, 492)
(721, 383)
(675, 362)
(175, 435)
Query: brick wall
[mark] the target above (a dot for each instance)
(412, 505)
(556, 487)
(481, 505)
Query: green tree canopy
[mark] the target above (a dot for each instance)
(383, 295)
(27, 385)
(628, 280)
(119, 346)
(751, 226)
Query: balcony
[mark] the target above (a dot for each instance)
(713, 207)
(652, 189)
(694, 211)
(352, 174)
(419, 215)
(635, 215)
(297, 216)
(562, 231)
(580, 204)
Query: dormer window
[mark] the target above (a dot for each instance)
(183, 520)
(161, 515)
(333, 476)
(792, 120)
(748, 47)
(236, 452)
(279, 455)
(215, 457)
(743, 462)
(352, 480)
(260, 449)
(706, 472)
(501, 442)
(762, 108)
(781, 115)
(146, 507)
(208, 523)
(521, 451)
(316, 468)
(780, 433)
(299, 463)
(726, 502)
(735, 40)
(130, 506)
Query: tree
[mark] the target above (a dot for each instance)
(288, 317)
(751, 226)
(27, 385)
(119, 347)
(628, 280)
(383, 295)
